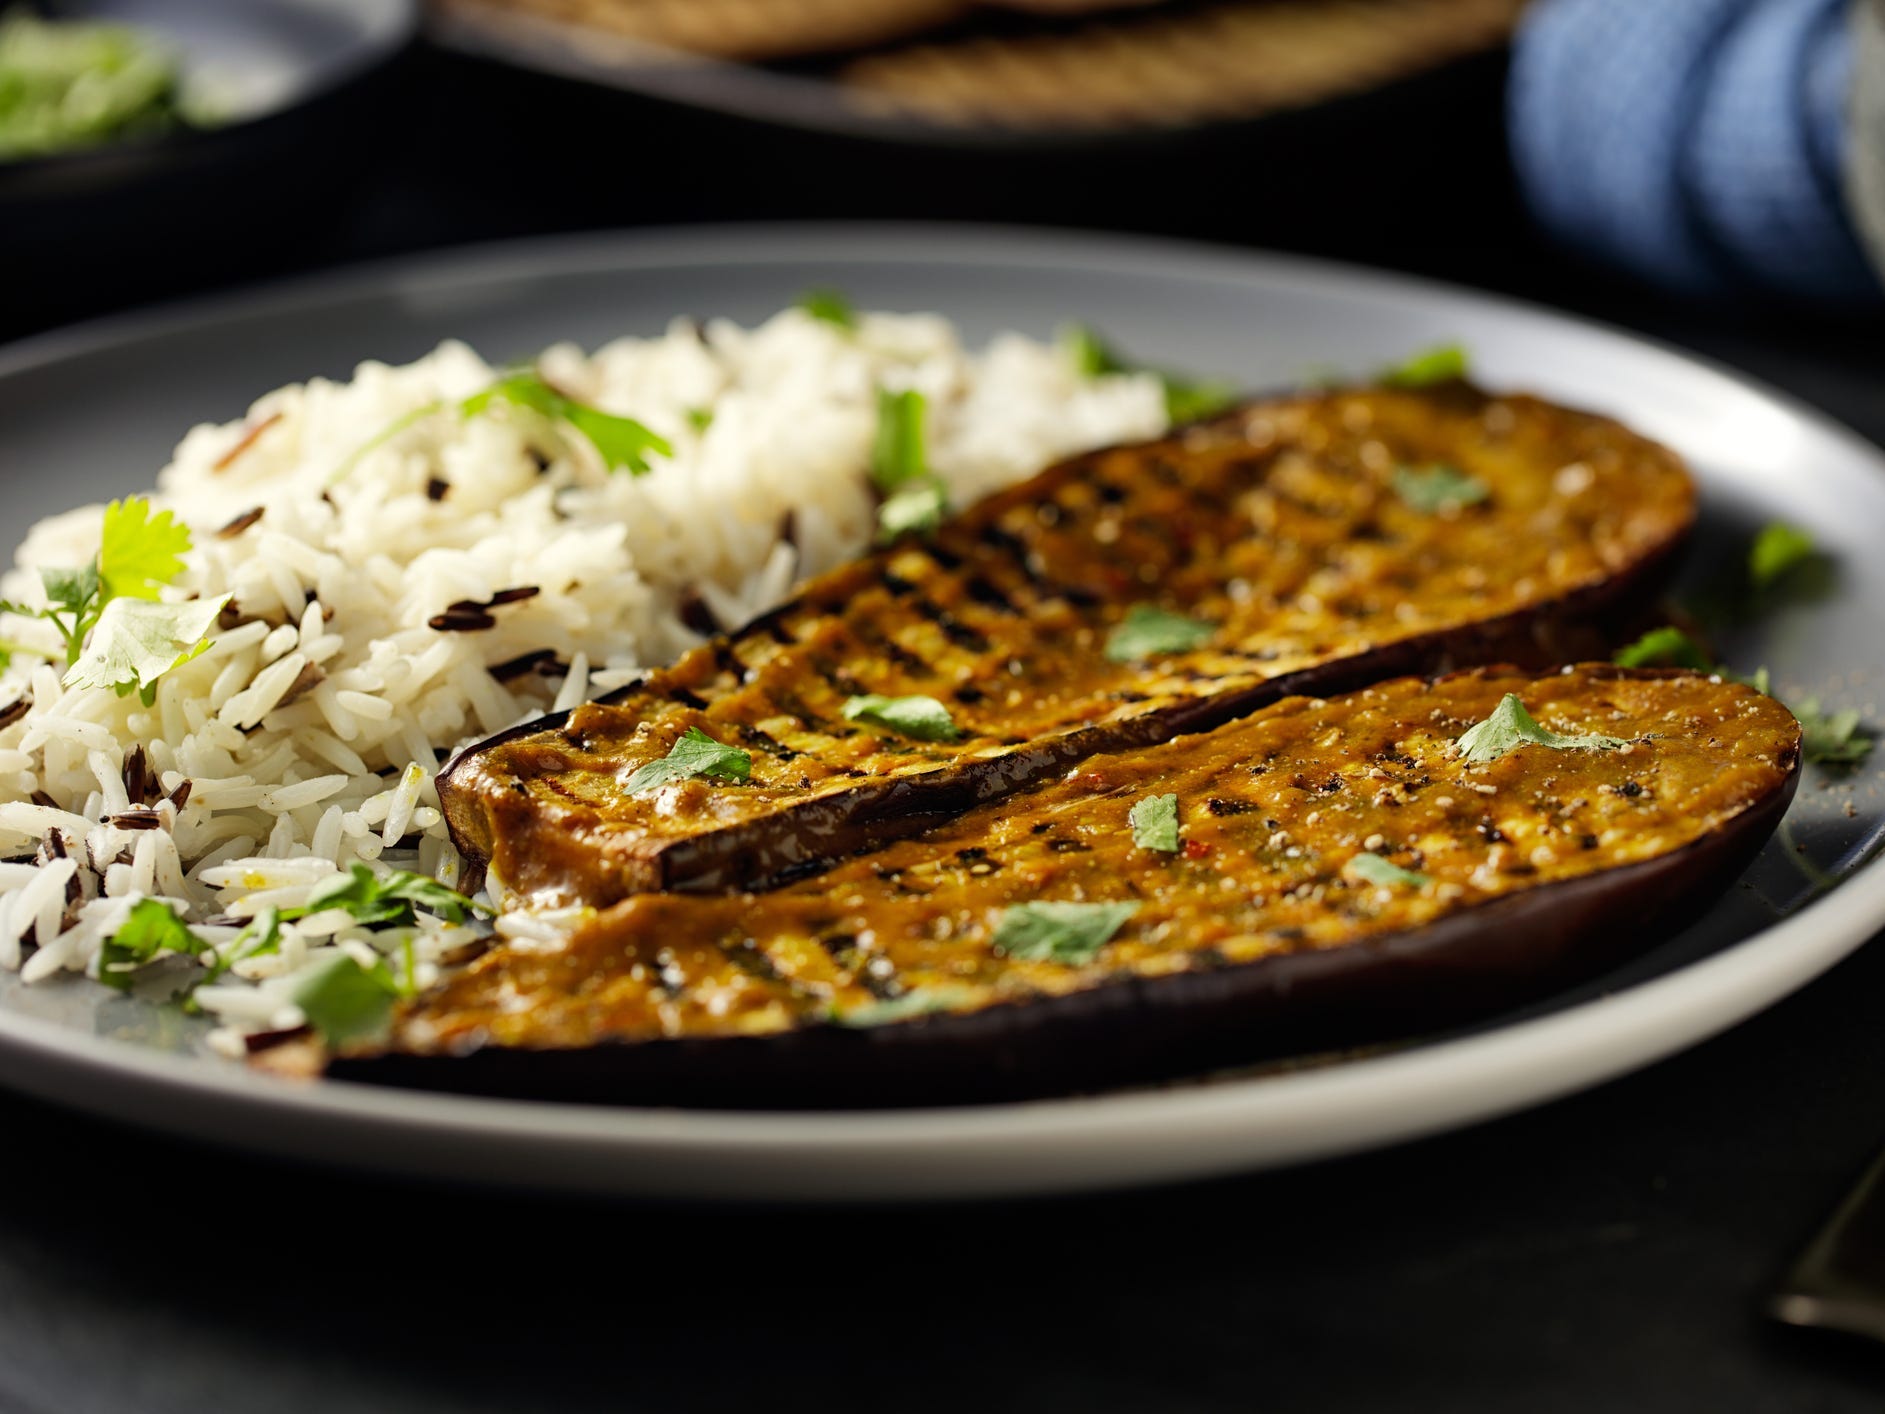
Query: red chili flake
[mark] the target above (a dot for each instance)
(1197, 849)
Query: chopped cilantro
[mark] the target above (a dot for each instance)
(1070, 933)
(1437, 487)
(1510, 726)
(623, 443)
(918, 717)
(1777, 551)
(1148, 631)
(150, 928)
(700, 419)
(138, 555)
(1187, 399)
(1155, 823)
(1830, 738)
(917, 508)
(915, 498)
(386, 898)
(830, 307)
(1441, 364)
(136, 641)
(342, 1000)
(261, 936)
(1664, 647)
(695, 754)
(919, 1001)
(1373, 869)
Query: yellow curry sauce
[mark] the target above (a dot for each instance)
(1280, 525)
(1273, 813)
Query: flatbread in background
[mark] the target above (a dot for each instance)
(1171, 69)
(753, 31)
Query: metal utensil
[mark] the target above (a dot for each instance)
(1838, 1283)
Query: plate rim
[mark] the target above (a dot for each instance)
(1226, 1125)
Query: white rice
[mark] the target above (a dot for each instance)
(308, 734)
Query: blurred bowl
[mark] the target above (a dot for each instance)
(301, 82)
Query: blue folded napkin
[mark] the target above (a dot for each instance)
(1698, 143)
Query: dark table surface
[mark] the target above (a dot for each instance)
(1607, 1252)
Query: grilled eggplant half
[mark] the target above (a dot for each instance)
(1323, 873)
(1310, 544)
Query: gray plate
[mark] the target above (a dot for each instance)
(94, 412)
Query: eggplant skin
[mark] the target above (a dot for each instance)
(1186, 1010)
(1284, 524)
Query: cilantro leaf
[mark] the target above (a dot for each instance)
(151, 927)
(915, 497)
(919, 1001)
(1155, 823)
(72, 590)
(897, 454)
(700, 419)
(137, 641)
(1187, 399)
(1437, 487)
(1510, 726)
(917, 507)
(623, 443)
(1777, 551)
(1830, 738)
(1148, 631)
(387, 897)
(922, 718)
(1373, 869)
(695, 754)
(1663, 647)
(342, 1000)
(1441, 364)
(830, 307)
(260, 937)
(1070, 933)
(139, 553)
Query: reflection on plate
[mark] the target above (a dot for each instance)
(95, 403)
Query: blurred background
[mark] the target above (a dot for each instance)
(1682, 166)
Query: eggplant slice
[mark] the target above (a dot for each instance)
(1312, 533)
(882, 982)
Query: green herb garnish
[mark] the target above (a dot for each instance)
(1510, 726)
(915, 498)
(386, 898)
(1441, 364)
(695, 754)
(116, 633)
(1070, 933)
(1186, 399)
(1437, 487)
(918, 717)
(919, 1001)
(150, 928)
(916, 509)
(1664, 647)
(1148, 631)
(623, 443)
(342, 1000)
(1155, 823)
(67, 84)
(1777, 551)
(1830, 738)
(700, 419)
(829, 306)
(1373, 869)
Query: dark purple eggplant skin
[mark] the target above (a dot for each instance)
(1467, 967)
(766, 849)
